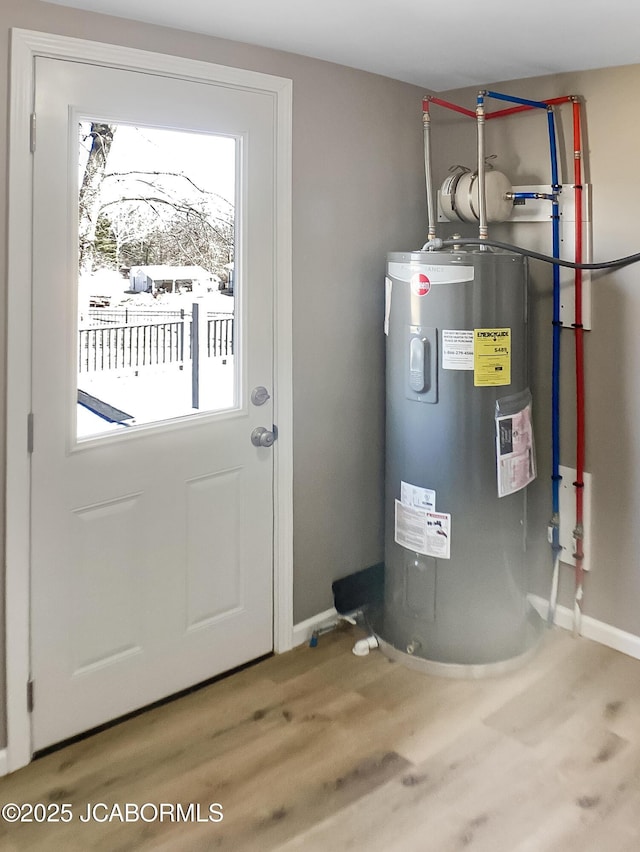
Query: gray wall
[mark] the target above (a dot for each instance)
(612, 348)
(357, 193)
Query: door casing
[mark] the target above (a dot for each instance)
(26, 45)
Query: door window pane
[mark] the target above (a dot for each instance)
(157, 327)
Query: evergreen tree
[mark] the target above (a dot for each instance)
(105, 248)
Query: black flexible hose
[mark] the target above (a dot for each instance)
(547, 258)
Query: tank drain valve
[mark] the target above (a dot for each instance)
(363, 646)
(414, 646)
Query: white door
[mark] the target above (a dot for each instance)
(152, 533)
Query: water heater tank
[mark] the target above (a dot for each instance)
(459, 454)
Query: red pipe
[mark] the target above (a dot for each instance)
(563, 99)
(501, 113)
(449, 105)
(579, 344)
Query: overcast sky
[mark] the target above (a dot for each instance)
(208, 160)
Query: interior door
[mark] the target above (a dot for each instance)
(152, 526)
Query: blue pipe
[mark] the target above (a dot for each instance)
(512, 99)
(555, 366)
(555, 369)
(553, 149)
(544, 196)
(525, 195)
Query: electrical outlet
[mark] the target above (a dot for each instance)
(568, 517)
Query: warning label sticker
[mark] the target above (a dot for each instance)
(422, 531)
(457, 349)
(414, 495)
(514, 451)
(491, 357)
(388, 287)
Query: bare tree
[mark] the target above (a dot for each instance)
(100, 139)
(148, 216)
(174, 226)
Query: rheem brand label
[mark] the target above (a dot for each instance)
(435, 273)
(420, 284)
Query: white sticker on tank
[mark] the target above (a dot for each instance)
(423, 532)
(514, 451)
(435, 274)
(388, 285)
(439, 535)
(457, 349)
(419, 498)
(445, 189)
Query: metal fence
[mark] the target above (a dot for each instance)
(131, 347)
(131, 316)
(219, 336)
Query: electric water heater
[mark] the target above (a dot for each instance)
(459, 455)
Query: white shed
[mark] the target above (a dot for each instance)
(171, 279)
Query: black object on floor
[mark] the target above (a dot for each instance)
(359, 590)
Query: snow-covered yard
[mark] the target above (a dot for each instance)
(155, 393)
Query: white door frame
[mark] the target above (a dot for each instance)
(26, 45)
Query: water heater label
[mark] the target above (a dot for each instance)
(457, 349)
(436, 274)
(388, 288)
(491, 357)
(514, 451)
(422, 531)
(420, 498)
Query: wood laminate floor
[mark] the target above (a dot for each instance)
(320, 751)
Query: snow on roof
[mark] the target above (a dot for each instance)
(172, 273)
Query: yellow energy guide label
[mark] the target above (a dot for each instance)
(491, 357)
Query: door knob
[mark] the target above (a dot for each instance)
(261, 437)
(260, 395)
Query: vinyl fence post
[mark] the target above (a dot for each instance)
(195, 355)
(198, 349)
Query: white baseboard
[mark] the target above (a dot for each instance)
(591, 628)
(302, 631)
(4, 762)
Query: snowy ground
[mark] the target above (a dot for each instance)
(115, 288)
(157, 394)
